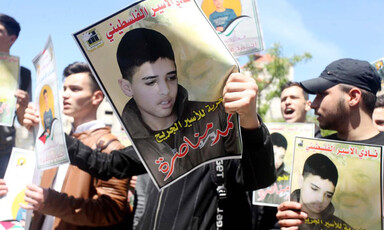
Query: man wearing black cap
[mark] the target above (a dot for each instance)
(345, 100)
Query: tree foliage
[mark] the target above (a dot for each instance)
(277, 75)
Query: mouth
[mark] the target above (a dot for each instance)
(289, 111)
(165, 104)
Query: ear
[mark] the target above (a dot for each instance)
(126, 87)
(98, 97)
(301, 180)
(307, 105)
(354, 97)
(12, 39)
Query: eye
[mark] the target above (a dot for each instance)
(172, 77)
(329, 195)
(314, 188)
(150, 83)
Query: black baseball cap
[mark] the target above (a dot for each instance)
(348, 71)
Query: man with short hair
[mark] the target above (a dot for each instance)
(9, 32)
(85, 202)
(345, 100)
(294, 102)
(378, 113)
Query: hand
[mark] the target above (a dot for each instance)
(3, 188)
(22, 99)
(239, 96)
(35, 197)
(31, 116)
(290, 215)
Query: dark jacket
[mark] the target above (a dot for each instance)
(328, 220)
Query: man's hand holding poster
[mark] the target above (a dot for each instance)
(338, 184)
(163, 68)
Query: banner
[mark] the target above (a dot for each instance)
(237, 23)
(50, 144)
(9, 77)
(338, 183)
(163, 68)
(283, 138)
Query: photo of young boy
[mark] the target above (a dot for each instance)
(159, 117)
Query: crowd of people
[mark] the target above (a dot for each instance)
(92, 191)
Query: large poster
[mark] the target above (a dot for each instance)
(283, 138)
(338, 184)
(50, 144)
(237, 23)
(163, 68)
(9, 77)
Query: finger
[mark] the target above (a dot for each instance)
(27, 206)
(290, 223)
(30, 201)
(289, 205)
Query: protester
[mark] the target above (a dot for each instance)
(84, 202)
(294, 103)
(378, 113)
(193, 201)
(345, 100)
(9, 32)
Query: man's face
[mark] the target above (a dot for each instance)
(6, 40)
(293, 105)
(154, 88)
(315, 195)
(378, 118)
(78, 96)
(331, 108)
(279, 153)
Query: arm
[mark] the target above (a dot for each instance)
(120, 163)
(290, 215)
(107, 207)
(257, 162)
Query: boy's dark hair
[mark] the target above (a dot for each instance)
(81, 67)
(379, 101)
(279, 140)
(320, 165)
(139, 46)
(292, 83)
(10, 24)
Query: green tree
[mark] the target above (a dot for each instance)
(277, 75)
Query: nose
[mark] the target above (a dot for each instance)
(163, 88)
(315, 103)
(65, 93)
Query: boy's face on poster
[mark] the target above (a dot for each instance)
(316, 194)
(279, 153)
(218, 3)
(154, 89)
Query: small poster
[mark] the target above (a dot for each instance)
(237, 23)
(338, 184)
(163, 68)
(50, 144)
(9, 77)
(20, 171)
(283, 138)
